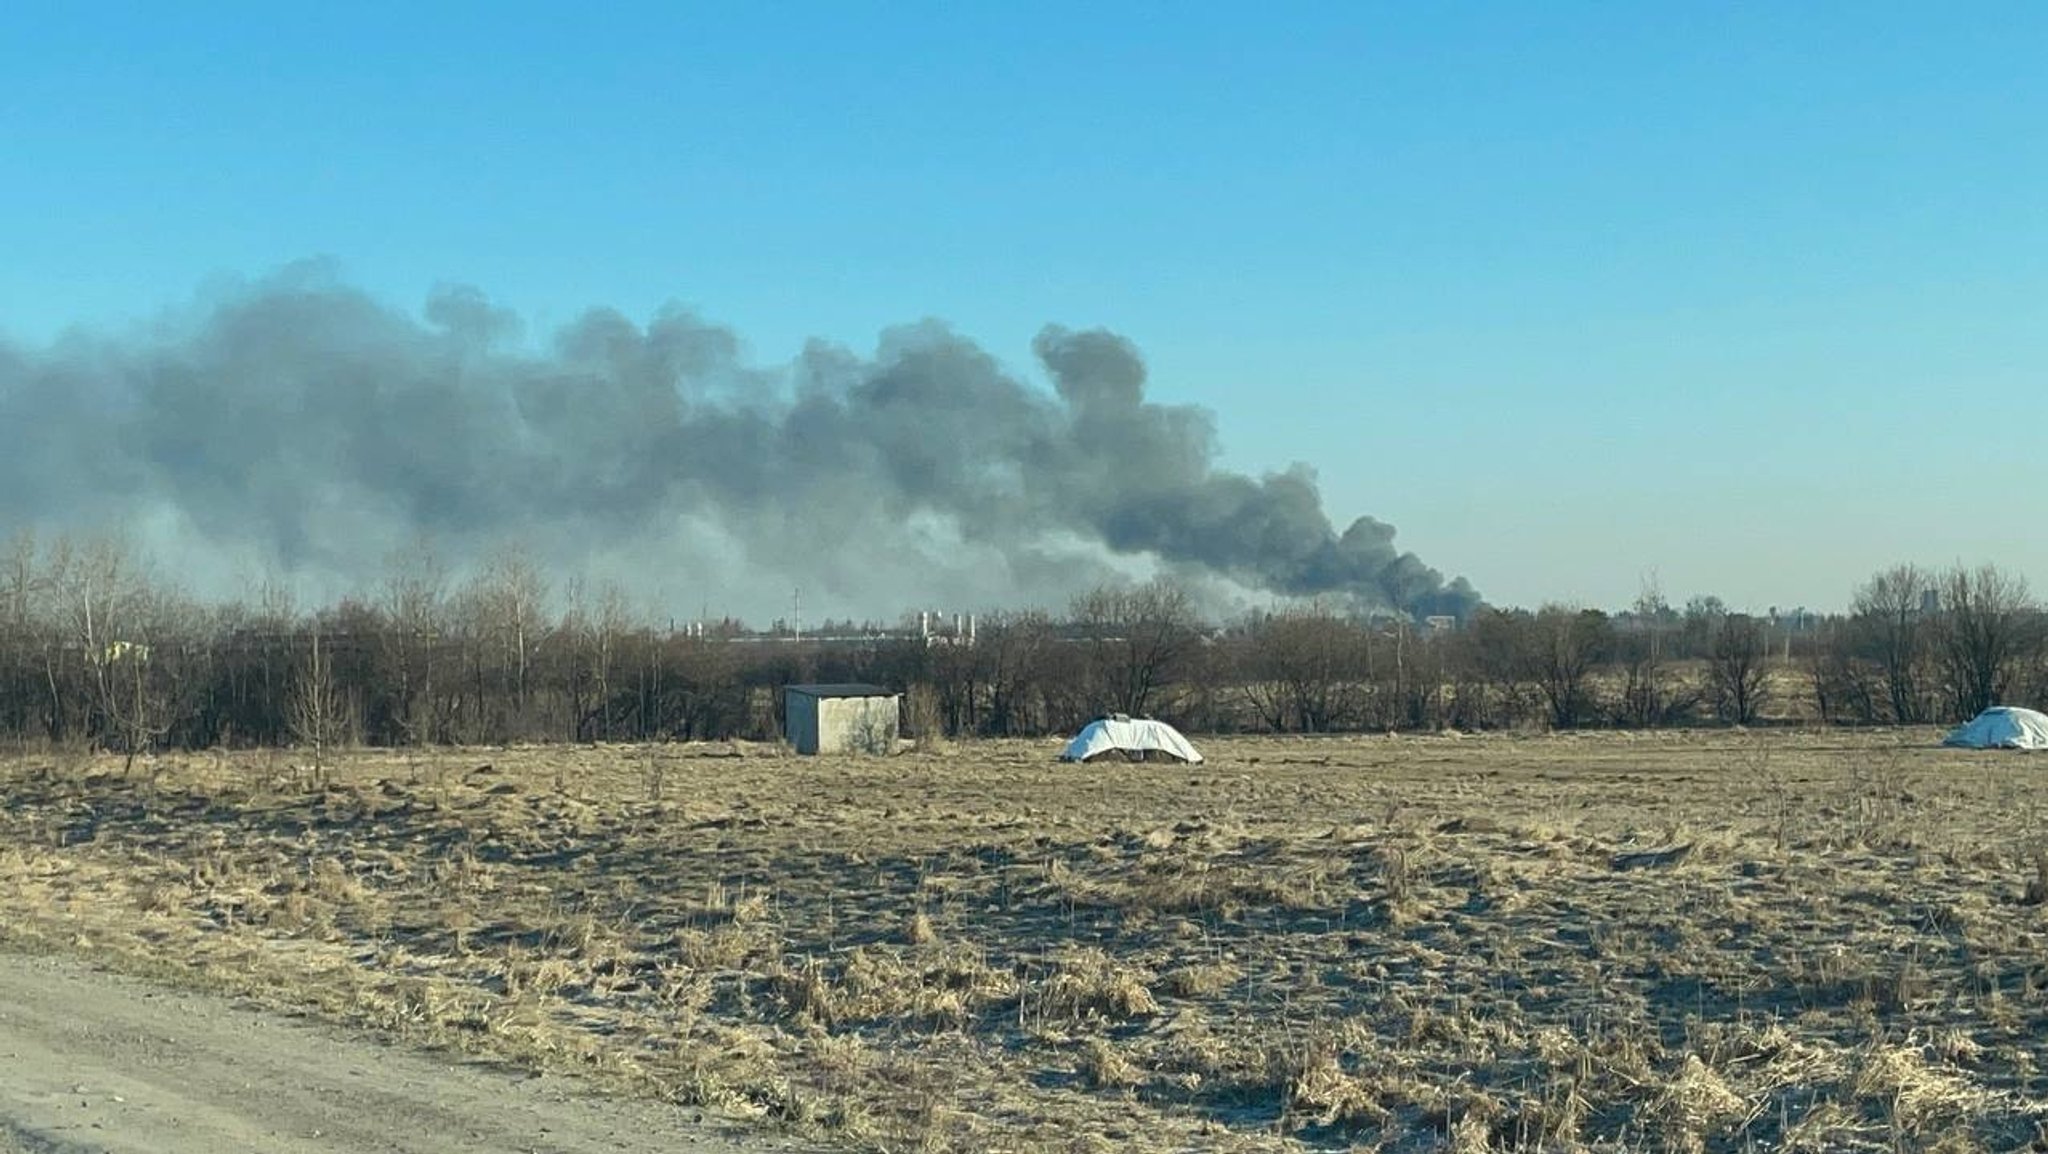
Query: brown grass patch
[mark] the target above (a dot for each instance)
(1592, 941)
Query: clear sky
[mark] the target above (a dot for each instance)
(1753, 299)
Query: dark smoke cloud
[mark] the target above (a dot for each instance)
(299, 423)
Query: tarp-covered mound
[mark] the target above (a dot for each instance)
(2002, 727)
(1131, 738)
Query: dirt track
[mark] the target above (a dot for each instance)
(92, 1062)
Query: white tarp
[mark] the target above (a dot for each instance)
(1130, 736)
(2002, 727)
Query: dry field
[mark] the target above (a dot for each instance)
(1790, 940)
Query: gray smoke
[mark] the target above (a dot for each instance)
(298, 425)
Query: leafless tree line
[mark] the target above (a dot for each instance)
(94, 650)
(1926, 646)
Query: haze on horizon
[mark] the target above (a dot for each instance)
(1750, 304)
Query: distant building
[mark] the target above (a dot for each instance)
(848, 718)
(1800, 620)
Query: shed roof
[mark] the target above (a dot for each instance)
(840, 689)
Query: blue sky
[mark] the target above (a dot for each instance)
(1754, 299)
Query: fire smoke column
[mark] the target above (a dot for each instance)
(297, 422)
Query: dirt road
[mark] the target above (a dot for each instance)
(92, 1063)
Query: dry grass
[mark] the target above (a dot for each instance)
(1812, 941)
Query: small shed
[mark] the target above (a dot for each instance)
(843, 718)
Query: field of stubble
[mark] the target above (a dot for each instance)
(1811, 940)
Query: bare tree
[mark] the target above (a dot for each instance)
(1493, 652)
(414, 675)
(591, 636)
(1302, 668)
(1843, 687)
(111, 613)
(1738, 668)
(1562, 649)
(1405, 672)
(478, 696)
(953, 672)
(506, 606)
(317, 712)
(1137, 639)
(1989, 628)
(1011, 648)
(1653, 691)
(22, 587)
(1892, 623)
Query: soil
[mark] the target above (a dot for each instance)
(92, 1062)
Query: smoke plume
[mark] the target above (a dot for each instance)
(298, 426)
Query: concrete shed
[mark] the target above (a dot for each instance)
(848, 718)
